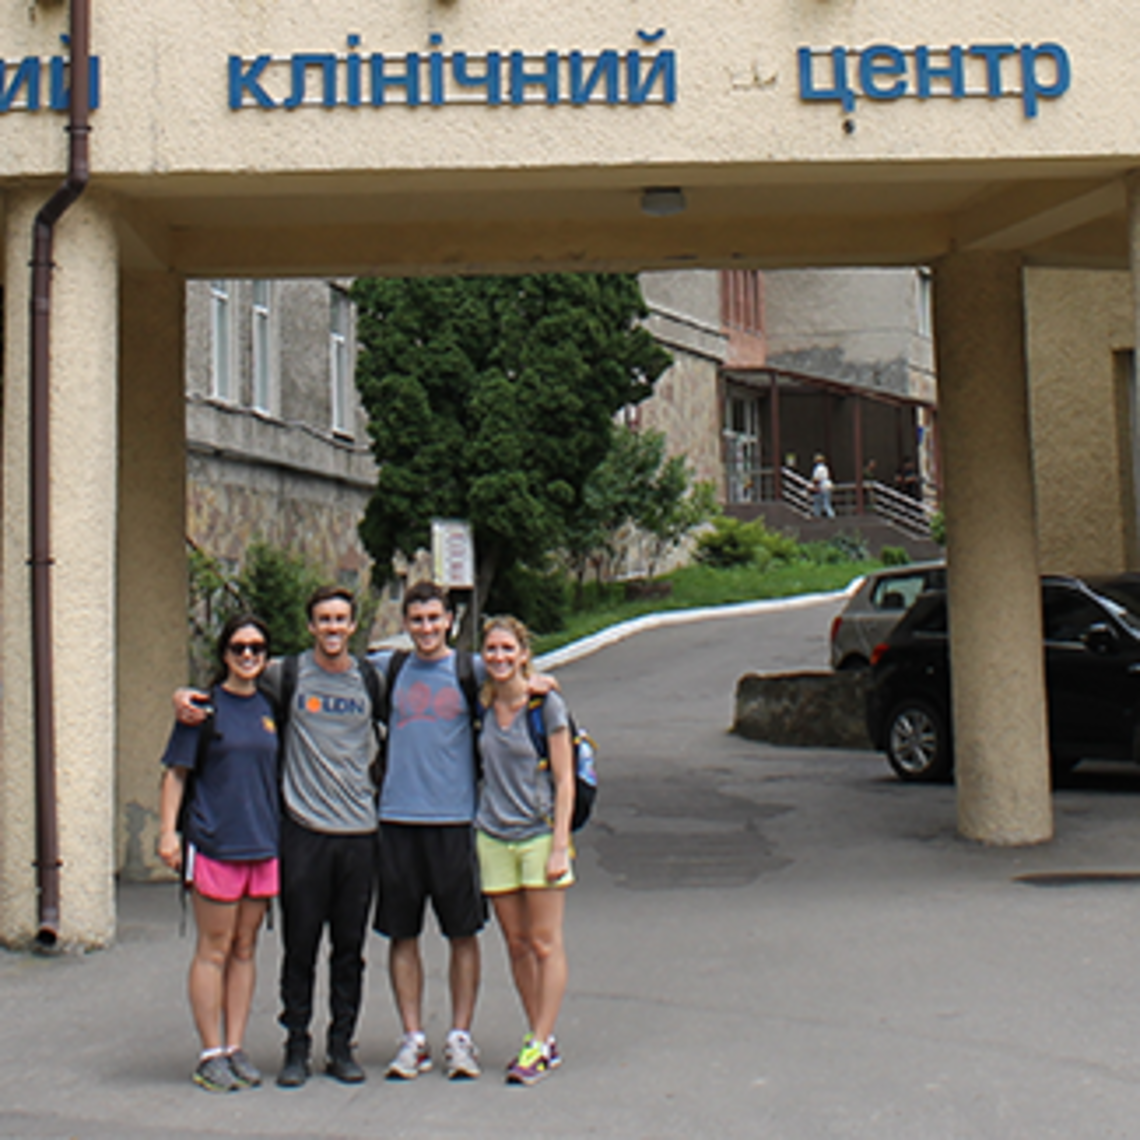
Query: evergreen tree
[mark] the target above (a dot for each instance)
(492, 399)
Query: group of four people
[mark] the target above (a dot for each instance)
(282, 796)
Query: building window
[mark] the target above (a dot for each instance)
(264, 354)
(742, 448)
(223, 385)
(340, 370)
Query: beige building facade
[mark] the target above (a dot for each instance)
(232, 141)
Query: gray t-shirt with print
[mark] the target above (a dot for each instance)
(518, 796)
(329, 743)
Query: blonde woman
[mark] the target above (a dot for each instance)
(523, 837)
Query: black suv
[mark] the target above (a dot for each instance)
(1092, 672)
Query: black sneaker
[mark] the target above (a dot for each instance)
(341, 1065)
(295, 1072)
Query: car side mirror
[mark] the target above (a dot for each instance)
(1100, 638)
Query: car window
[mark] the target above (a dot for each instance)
(1069, 614)
(1123, 601)
(933, 620)
(897, 593)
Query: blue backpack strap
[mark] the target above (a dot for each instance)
(536, 726)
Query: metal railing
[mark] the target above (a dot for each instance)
(904, 511)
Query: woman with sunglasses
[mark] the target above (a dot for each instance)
(231, 833)
(523, 837)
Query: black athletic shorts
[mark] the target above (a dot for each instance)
(419, 861)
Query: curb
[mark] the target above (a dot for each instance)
(576, 650)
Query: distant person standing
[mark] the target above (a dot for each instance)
(907, 480)
(821, 486)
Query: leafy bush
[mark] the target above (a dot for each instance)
(730, 542)
(894, 556)
(938, 527)
(275, 584)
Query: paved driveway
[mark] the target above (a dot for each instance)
(764, 942)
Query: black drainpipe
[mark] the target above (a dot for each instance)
(43, 232)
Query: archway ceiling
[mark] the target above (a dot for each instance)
(765, 216)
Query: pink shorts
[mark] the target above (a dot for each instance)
(229, 882)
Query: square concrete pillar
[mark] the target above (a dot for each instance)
(151, 625)
(83, 506)
(1000, 735)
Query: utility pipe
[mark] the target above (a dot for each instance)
(43, 709)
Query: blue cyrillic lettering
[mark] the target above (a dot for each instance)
(352, 73)
(925, 72)
(546, 77)
(28, 77)
(435, 72)
(1031, 89)
(882, 60)
(607, 69)
(491, 79)
(840, 92)
(663, 68)
(410, 80)
(244, 79)
(301, 62)
(993, 54)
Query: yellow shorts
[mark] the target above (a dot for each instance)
(507, 866)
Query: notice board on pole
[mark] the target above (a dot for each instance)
(453, 554)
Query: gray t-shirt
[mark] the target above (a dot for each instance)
(430, 775)
(518, 796)
(329, 743)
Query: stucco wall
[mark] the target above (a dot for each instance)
(1078, 323)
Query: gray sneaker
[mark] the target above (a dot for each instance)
(461, 1057)
(215, 1075)
(244, 1070)
(412, 1059)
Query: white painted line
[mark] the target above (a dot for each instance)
(615, 633)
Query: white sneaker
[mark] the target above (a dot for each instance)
(461, 1056)
(412, 1059)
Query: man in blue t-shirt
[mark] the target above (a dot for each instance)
(427, 845)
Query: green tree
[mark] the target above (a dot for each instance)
(275, 584)
(492, 399)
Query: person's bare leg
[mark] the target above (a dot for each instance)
(510, 911)
(216, 925)
(406, 974)
(240, 976)
(463, 975)
(545, 910)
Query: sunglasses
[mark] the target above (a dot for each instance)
(241, 648)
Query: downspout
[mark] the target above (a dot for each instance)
(43, 709)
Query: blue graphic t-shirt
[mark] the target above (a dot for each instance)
(234, 814)
(431, 766)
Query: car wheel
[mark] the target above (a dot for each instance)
(918, 744)
(852, 662)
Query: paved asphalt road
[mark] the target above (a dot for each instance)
(764, 942)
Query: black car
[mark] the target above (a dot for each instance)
(1092, 673)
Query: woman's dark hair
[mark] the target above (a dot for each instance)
(233, 624)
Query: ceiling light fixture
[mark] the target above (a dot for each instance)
(662, 201)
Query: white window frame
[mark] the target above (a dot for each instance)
(340, 364)
(263, 337)
(223, 342)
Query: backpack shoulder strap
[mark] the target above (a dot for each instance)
(536, 726)
(396, 662)
(283, 705)
(376, 695)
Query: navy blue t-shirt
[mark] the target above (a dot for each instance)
(234, 813)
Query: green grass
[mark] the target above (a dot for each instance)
(695, 586)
